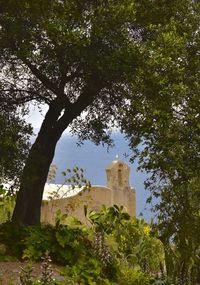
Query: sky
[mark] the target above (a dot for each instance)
(35, 117)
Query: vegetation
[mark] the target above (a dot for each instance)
(127, 64)
(100, 57)
(73, 57)
(7, 203)
(14, 144)
(131, 246)
(168, 127)
(115, 249)
(88, 257)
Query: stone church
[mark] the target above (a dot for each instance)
(116, 192)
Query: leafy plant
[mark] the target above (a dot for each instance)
(165, 281)
(7, 203)
(26, 275)
(14, 141)
(46, 278)
(13, 236)
(88, 272)
(74, 178)
(130, 239)
(109, 218)
(64, 244)
(115, 250)
(130, 276)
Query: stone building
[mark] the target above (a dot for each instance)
(116, 192)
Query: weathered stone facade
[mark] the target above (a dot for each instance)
(117, 191)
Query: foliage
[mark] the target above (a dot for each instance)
(7, 203)
(74, 178)
(179, 232)
(46, 276)
(164, 282)
(135, 252)
(75, 246)
(108, 218)
(25, 275)
(130, 276)
(13, 235)
(130, 239)
(165, 120)
(14, 145)
(64, 244)
(138, 247)
(89, 272)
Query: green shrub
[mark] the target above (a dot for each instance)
(88, 272)
(7, 203)
(164, 282)
(13, 236)
(131, 276)
(129, 238)
(65, 245)
(132, 250)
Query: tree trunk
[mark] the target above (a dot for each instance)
(29, 197)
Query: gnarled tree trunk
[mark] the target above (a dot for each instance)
(29, 197)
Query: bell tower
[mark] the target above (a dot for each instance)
(118, 175)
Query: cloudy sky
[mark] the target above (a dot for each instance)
(35, 117)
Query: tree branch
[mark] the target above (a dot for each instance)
(32, 96)
(88, 95)
(58, 91)
(45, 81)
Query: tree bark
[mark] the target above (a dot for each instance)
(29, 197)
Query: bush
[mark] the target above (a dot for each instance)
(116, 250)
(88, 272)
(65, 245)
(131, 276)
(7, 203)
(129, 238)
(13, 236)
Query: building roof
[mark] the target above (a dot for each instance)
(59, 191)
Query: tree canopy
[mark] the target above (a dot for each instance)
(59, 49)
(74, 56)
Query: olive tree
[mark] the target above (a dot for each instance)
(78, 57)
